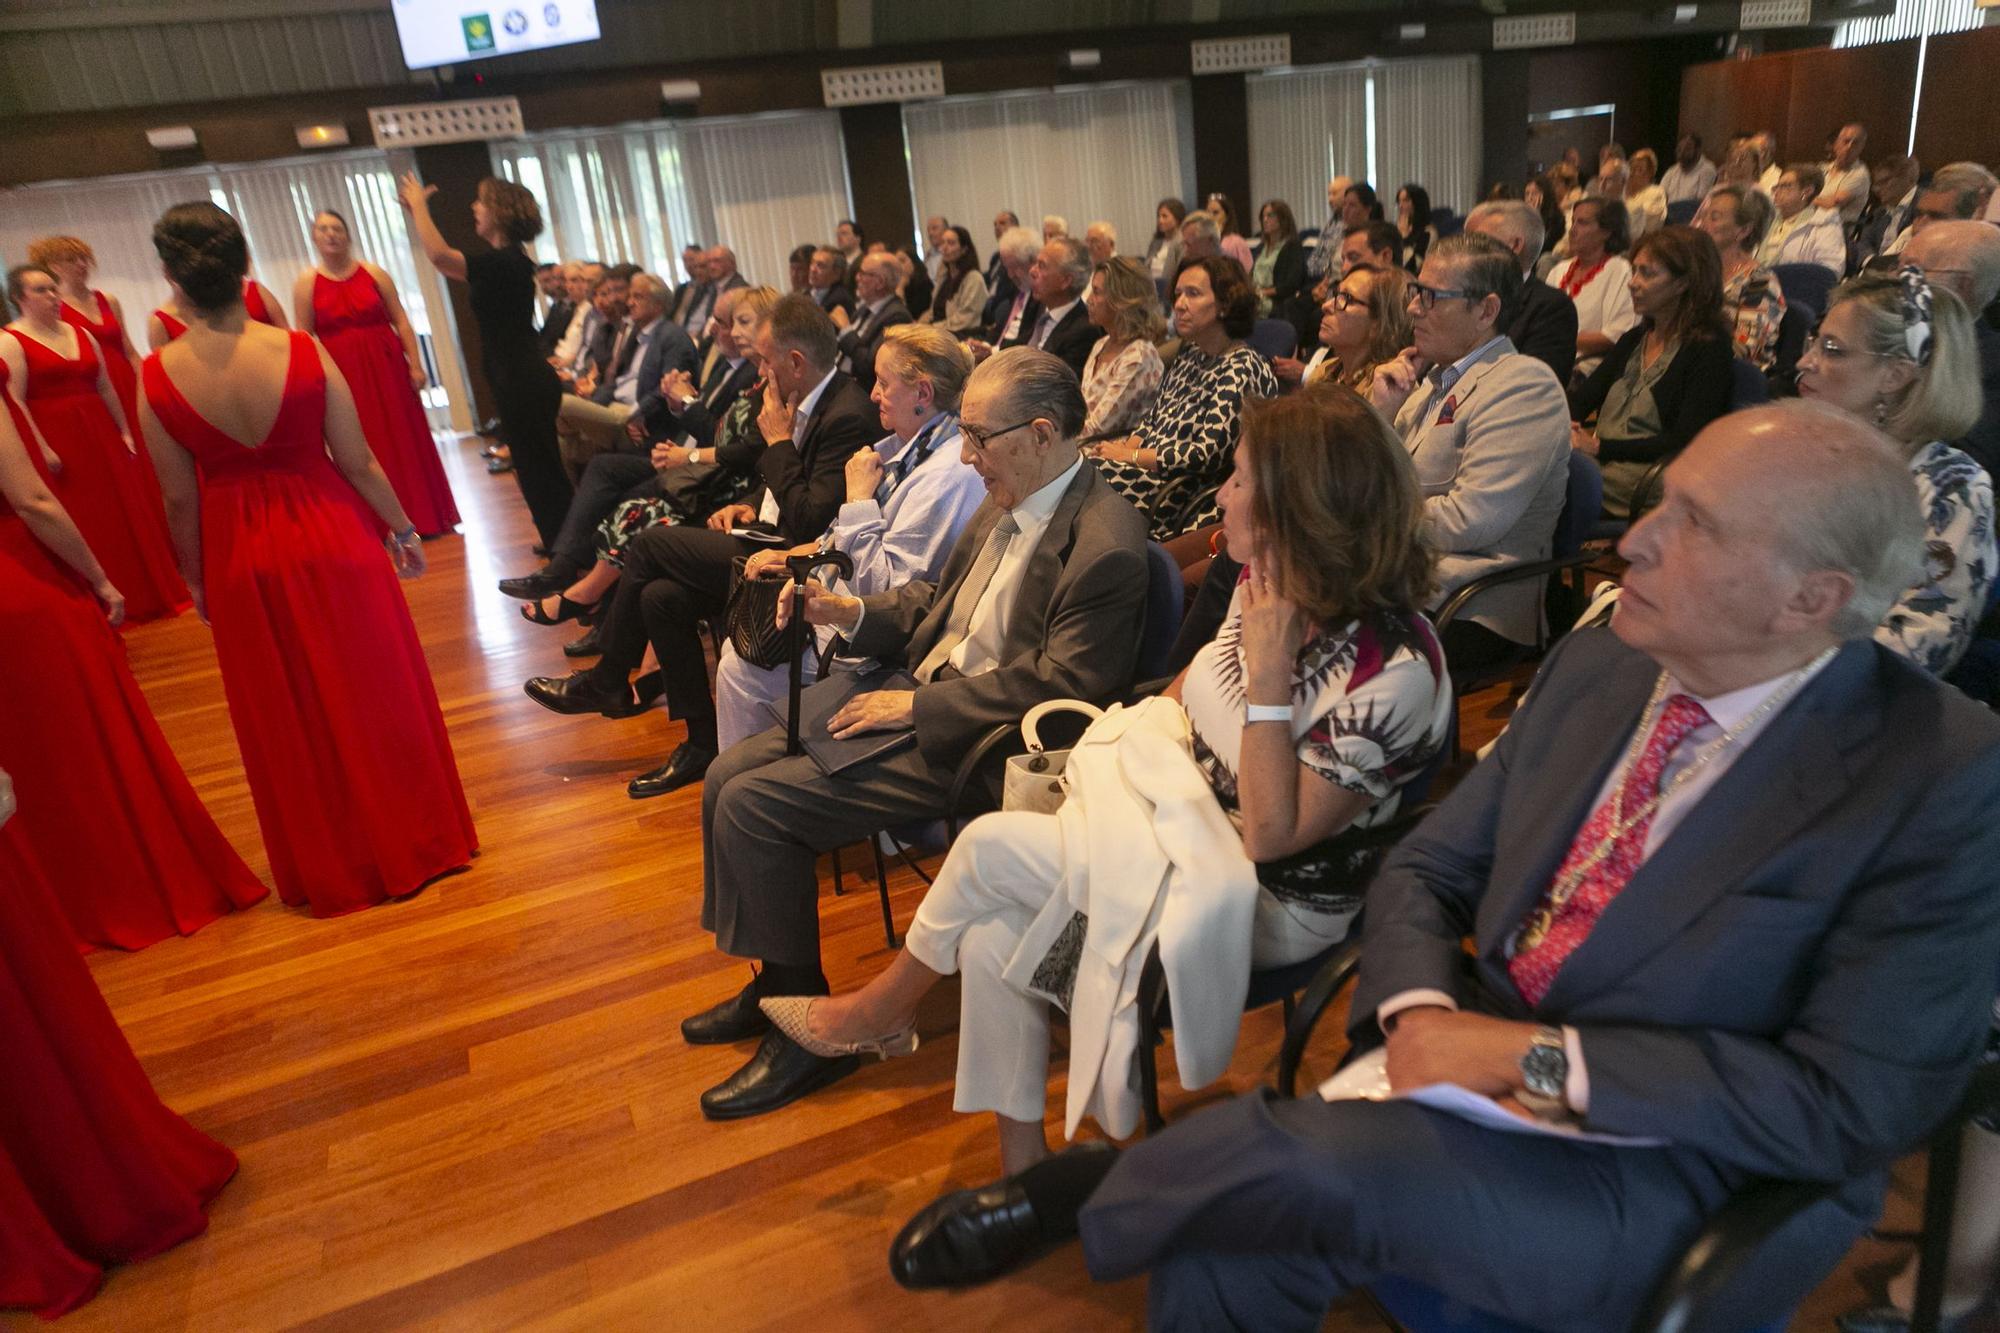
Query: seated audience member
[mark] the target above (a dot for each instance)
(935, 227)
(1544, 325)
(1229, 231)
(827, 285)
(1691, 176)
(1278, 275)
(624, 403)
(1542, 194)
(1009, 309)
(1753, 301)
(553, 280)
(914, 285)
(1323, 258)
(1199, 240)
(1892, 207)
(680, 307)
(1958, 192)
(610, 299)
(1763, 988)
(1101, 239)
(1489, 430)
(1163, 250)
(800, 263)
(1413, 225)
(1364, 324)
(1122, 377)
(1370, 245)
(1844, 180)
(1965, 257)
(1179, 453)
(812, 419)
(877, 309)
(1645, 202)
(1666, 379)
(851, 241)
(907, 499)
(1056, 320)
(1897, 352)
(1743, 167)
(580, 279)
(1597, 278)
(1043, 597)
(1003, 222)
(1803, 234)
(681, 480)
(1323, 694)
(722, 274)
(1609, 182)
(1764, 145)
(1053, 226)
(961, 292)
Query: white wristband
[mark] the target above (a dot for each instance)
(1267, 713)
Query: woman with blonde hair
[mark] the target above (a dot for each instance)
(1365, 322)
(1122, 376)
(72, 261)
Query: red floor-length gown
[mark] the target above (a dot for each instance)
(344, 746)
(353, 322)
(109, 491)
(94, 1170)
(104, 803)
(110, 336)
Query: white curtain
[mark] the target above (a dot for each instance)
(114, 215)
(1910, 18)
(1108, 153)
(758, 184)
(1306, 127)
(1428, 130)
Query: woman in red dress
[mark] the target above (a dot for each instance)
(352, 307)
(110, 813)
(93, 1169)
(343, 743)
(96, 313)
(76, 429)
(170, 321)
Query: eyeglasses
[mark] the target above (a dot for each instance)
(1832, 351)
(1423, 298)
(1346, 301)
(982, 438)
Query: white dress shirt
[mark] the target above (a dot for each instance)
(572, 340)
(1603, 306)
(1046, 325)
(768, 511)
(1809, 236)
(986, 632)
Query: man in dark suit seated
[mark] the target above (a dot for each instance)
(676, 576)
(1056, 320)
(1011, 305)
(1728, 876)
(1003, 222)
(827, 282)
(1544, 325)
(1042, 597)
(553, 282)
(877, 309)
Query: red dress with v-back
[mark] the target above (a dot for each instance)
(109, 491)
(352, 321)
(105, 806)
(343, 743)
(94, 1170)
(253, 306)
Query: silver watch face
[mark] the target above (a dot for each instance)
(1545, 1069)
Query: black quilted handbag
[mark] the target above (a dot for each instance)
(751, 616)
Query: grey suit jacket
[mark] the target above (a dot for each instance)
(1073, 634)
(1796, 982)
(1494, 478)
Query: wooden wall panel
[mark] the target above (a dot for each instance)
(1959, 119)
(1804, 96)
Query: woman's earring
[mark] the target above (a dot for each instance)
(1881, 411)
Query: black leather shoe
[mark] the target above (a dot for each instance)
(779, 1074)
(587, 646)
(686, 765)
(533, 587)
(498, 466)
(736, 1019)
(971, 1236)
(579, 692)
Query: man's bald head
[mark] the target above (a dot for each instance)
(1964, 256)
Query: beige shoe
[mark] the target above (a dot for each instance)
(791, 1015)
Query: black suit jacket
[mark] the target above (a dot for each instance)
(809, 475)
(1071, 339)
(555, 323)
(837, 297)
(999, 300)
(1694, 390)
(1545, 328)
(1983, 444)
(860, 340)
(718, 393)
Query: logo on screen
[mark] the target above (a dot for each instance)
(516, 22)
(552, 15)
(478, 32)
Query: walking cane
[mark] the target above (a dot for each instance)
(801, 567)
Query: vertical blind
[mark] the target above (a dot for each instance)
(1108, 152)
(1910, 18)
(758, 184)
(1389, 123)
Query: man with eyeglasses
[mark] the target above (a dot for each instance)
(1488, 429)
(1043, 597)
(1803, 234)
(1544, 324)
(1965, 256)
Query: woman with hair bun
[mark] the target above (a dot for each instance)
(170, 321)
(261, 457)
(352, 307)
(66, 409)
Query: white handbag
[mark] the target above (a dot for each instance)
(1033, 780)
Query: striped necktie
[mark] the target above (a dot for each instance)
(958, 623)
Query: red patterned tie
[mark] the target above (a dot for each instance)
(1534, 969)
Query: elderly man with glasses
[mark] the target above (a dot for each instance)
(1042, 597)
(1489, 430)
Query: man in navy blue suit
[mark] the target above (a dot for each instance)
(613, 409)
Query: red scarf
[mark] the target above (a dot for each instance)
(1577, 279)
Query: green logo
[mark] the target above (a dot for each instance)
(478, 32)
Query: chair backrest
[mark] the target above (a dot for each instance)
(1274, 338)
(1447, 221)
(1682, 211)
(1798, 321)
(1747, 387)
(1166, 599)
(1808, 285)
(1583, 501)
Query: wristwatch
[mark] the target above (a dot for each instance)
(1545, 1074)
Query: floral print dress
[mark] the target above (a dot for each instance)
(1932, 623)
(1754, 304)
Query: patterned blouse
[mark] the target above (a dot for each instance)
(1933, 621)
(1192, 426)
(1754, 304)
(1117, 392)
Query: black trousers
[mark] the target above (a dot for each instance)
(675, 577)
(1470, 647)
(607, 480)
(529, 397)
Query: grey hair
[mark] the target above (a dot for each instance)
(1203, 224)
(1516, 219)
(1019, 244)
(1753, 211)
(1851, 506)
(1055, 221)
(1974, 246)
(1109, 232)
(1485, 268)
(1942, 401)
(1967, 182)
(925, 352)
(1076, 262)
(1038, 384)
(645, 284)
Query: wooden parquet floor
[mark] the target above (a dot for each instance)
(473, 1109)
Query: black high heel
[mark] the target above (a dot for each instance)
(566, 611)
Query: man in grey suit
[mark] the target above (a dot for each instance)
(1043, 597)
(1728, 880)
(1489, 430)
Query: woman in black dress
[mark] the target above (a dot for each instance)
(501, 288)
